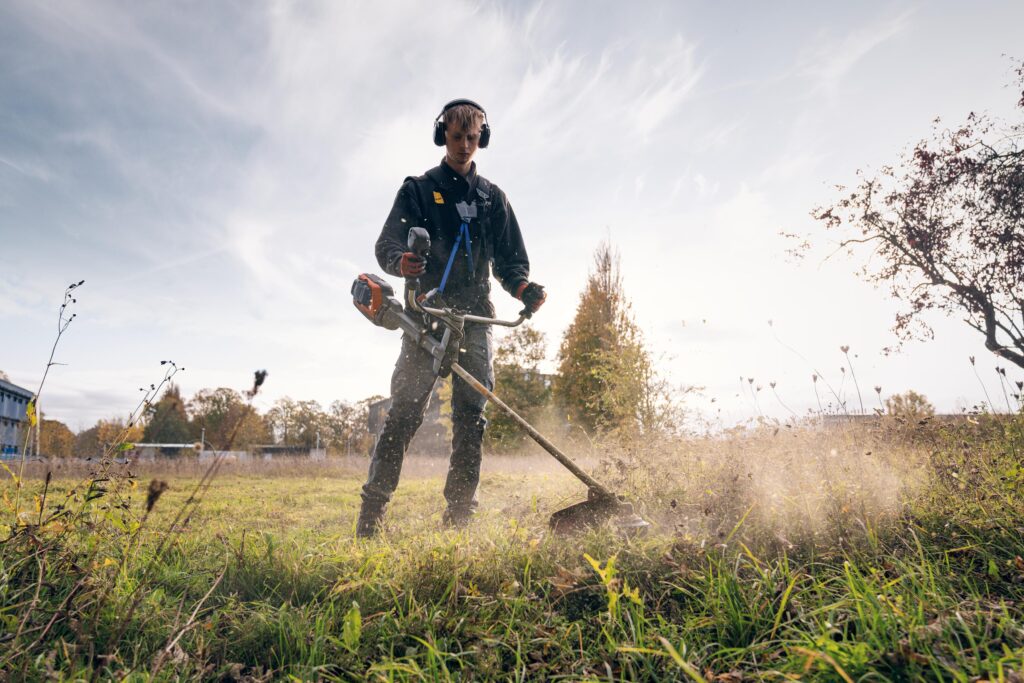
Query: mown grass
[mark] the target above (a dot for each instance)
(778, 553)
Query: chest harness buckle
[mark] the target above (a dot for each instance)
(467, 212)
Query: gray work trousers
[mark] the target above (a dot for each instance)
(411, 385)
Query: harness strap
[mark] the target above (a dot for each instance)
(463, 231)
(467, 211)
(469, 247)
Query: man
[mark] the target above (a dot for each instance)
(472, 229)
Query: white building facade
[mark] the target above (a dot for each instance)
(13, 418)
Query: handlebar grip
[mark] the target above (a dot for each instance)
(418, 241)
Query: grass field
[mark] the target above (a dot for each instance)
(781, 553)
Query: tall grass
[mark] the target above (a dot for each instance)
(805, 556)
(874, 551)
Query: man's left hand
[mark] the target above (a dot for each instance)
(531, 294)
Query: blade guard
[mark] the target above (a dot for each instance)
(595, 511)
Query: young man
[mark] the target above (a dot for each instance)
(472, 229)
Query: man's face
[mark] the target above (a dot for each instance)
(462, 143)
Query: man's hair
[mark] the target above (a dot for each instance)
(462, 117)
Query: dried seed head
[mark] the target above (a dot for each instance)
(878, 390)
(156, 489)
(971, 358)
(844, 348)
(258, 378)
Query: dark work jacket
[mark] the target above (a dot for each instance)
(429, 201)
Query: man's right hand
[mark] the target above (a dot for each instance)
(531, 294)
(412, 265)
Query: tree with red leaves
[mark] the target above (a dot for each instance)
(945, 229)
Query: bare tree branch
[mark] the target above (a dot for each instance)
(946, 226)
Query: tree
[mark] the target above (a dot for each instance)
(909, 407)
(519, 382)
(347, 425)
(168, 422)
(945, 228)
(604, 368)
(298, 423)
(57, 440)
(226, 420)
(907, 416)
(104, 435)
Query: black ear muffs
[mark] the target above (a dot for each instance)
(439, 131)
(485, 129)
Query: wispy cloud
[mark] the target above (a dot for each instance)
(31, 169)
(833, 57)
(219, 175)
(668, 81)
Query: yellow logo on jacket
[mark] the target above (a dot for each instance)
(438, 199)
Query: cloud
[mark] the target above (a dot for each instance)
(136, 46)
(24, 298)
(220, 175)
(31, 169)
(829, 61)
(671, 78)
(789, 167)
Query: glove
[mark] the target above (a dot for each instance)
(531, 294)
(411, 265)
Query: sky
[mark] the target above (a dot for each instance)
(218, 173)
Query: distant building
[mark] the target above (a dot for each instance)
(270, 451)
(147, 451)
(431, 438)
(152, 451)
(13, 417)
(841, 420)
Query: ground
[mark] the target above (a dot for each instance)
(782, 553)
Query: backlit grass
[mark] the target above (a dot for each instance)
(782, 554)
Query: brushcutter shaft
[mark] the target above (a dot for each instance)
(591, 483)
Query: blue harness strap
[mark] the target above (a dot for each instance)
(463, 232)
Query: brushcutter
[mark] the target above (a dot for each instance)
(424, 315)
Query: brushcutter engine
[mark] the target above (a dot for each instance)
(375, 299)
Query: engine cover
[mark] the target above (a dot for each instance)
(374, 298)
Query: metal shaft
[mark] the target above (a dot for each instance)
(537, 436)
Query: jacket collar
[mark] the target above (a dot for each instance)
(445, 176)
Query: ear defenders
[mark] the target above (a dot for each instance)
(485, 129)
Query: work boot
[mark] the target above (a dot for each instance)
(457, 518)
(369, 522)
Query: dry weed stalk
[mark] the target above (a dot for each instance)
(63, 543)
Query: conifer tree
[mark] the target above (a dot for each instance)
(168, 422)
(604, 368)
